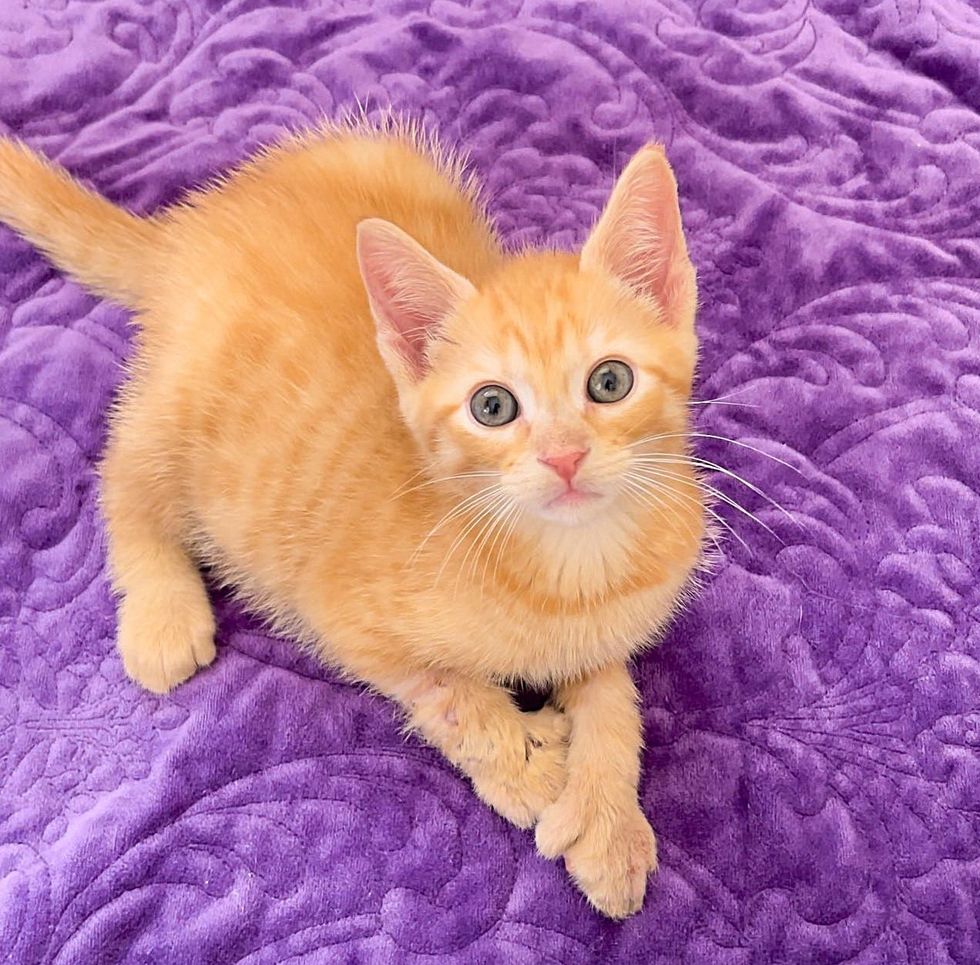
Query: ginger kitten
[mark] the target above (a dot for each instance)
(429, 457)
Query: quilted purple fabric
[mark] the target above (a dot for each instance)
(811, 722)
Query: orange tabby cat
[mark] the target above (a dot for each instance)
(427, 456)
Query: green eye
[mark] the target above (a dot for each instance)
(610, 381)
(493, 406)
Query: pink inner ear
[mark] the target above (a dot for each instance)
(644, 236)
(639, 238)
(408, 320)
(411, 293)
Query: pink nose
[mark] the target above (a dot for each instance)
(566, 463)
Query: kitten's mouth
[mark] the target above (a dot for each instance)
(572, 497)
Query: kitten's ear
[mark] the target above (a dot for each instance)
(639, 238)
(411, 293)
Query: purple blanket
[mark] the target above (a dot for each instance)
(811, 722)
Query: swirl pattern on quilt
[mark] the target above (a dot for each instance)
(812, 721)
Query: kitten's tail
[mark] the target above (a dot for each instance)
(104, 247)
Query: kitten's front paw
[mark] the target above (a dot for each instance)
(163, 642)
(525, 778)
(609, 854)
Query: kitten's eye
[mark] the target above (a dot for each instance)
(610, 381)
(493, 405)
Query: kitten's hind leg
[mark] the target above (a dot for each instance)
(166, 627)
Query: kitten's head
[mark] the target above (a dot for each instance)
(545, 382)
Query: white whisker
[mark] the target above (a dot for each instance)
(401, 491)
(505, 518)
(649, 486)
(464, 506)
(415, 475)
(477, 542)
(723, 400)
(519, 512)
(646, 496)
(709, 435)
(488, 507)
(717, 493)
(661, 458)
(655, 491)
